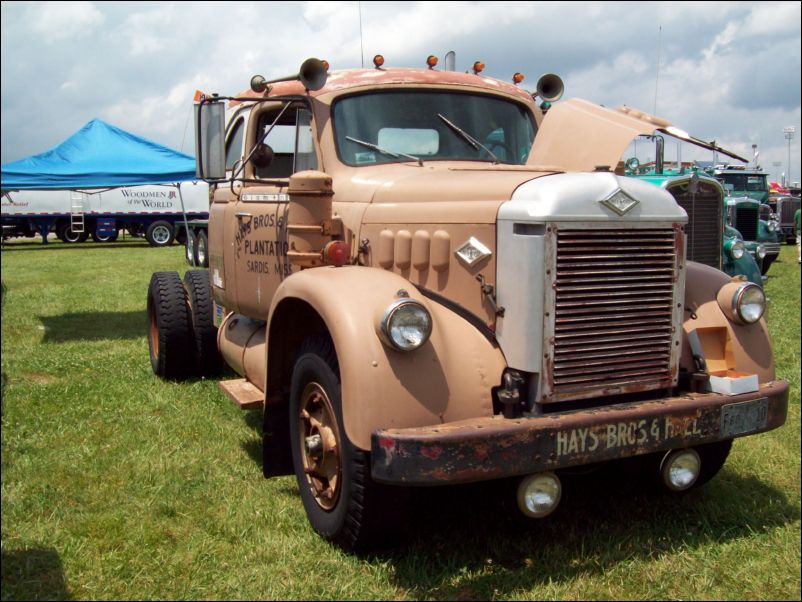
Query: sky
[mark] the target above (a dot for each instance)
(724, 71)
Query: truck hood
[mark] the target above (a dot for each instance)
(429, 193)
(483, 182)
(579, 135)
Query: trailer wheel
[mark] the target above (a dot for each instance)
(68, 235)
(342, 502)
(160, 234)
(189, 248)
(105, 238)
(202, 250)
(201, 314)
(172, 352)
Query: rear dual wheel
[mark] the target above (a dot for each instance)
(182, 337)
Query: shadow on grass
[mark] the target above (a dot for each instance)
(253, 447)
(95, 326)
(472, 543)
(53, 246)
(33, 574)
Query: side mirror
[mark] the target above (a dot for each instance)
(210, 161)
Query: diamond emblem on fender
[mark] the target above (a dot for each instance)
(472, 252)
(620, 202)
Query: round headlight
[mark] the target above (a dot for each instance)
(737, 249)
(539, 494)
(771, 227)
(749, 303)
(760, 252)
(406, 325)
(680, 469)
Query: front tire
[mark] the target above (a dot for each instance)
(342, 502)
(713, 456)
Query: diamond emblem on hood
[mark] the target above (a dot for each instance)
(620, 202)
(472, 252)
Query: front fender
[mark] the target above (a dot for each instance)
(745, 348)
(449, 378)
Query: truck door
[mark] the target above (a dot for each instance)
(260, 235)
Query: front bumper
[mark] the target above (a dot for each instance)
(489, 448)
(772, 248)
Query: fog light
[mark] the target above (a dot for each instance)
(539, 494)
(680, 469)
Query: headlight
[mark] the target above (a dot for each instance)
(735, 248)
(760, 252)
(742, 302)
(749, 303)
(771, 227)
(406, 325)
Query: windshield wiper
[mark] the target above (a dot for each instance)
(472, 142)
(384, 151)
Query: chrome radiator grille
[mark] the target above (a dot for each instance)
(615, 296)
(786, 208)
(705, 221)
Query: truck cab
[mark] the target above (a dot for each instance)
(747, 189)
(423, 279)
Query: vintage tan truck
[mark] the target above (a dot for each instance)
(424, 279)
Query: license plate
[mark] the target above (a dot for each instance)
(742, 418)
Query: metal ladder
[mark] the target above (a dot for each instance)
(77, 208)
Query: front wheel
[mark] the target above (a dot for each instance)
(342, 502)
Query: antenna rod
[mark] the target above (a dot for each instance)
(657, 78)
(361, 47)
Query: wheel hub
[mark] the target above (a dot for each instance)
(318, 437)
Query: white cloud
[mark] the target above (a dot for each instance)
(728, 71)
(58, 21)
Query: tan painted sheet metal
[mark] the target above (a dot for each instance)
(578, 135)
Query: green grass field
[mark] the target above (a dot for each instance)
(116, 485)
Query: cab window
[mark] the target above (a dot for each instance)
(234, 144)
(290, 138)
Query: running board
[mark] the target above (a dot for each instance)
(243, 393)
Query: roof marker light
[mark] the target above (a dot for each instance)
(478, 67)
(431, 60)
(378, 61)
(517, 78)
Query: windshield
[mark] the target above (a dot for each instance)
(749, 182)
(411, 123)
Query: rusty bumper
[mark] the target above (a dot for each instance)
(490, 448)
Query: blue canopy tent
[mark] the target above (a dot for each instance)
(99, 155)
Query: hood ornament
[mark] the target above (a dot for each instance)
(620, 202)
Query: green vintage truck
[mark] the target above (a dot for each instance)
(710, 239)
(748, 189)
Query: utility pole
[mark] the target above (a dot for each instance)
(789, 135)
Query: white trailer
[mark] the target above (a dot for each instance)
(152, 211)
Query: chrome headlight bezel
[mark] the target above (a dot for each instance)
(388, 327)
(760, 252)
(738, 302)
(736, 248)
